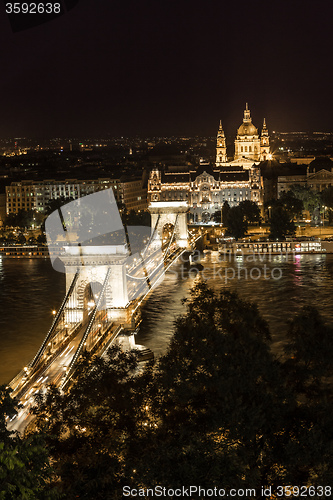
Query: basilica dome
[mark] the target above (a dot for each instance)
(247, 129)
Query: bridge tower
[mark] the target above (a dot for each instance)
(98, 266)
(173, 214)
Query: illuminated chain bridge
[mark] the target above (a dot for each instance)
(105, 286)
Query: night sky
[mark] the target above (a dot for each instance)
(165, 67)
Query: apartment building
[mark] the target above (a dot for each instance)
(35, 195)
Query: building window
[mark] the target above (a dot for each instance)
(250, 149)
(245, 149)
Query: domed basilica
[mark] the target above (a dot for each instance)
(249, 147)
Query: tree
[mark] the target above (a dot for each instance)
(219, 400)
(281, 224)
(23, 219)
(217, 216)
(330, 215)
(236, 223)
(251, 211)
(25, 471)
(327, 203)
(310, 198)
(136, 218)
(225, 211)
(327, 197)
(293, 205)
(308, 369)
(310, 351)
(21, 240)
(41, 239)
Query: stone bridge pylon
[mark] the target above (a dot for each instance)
(98, 262)
(172, 214)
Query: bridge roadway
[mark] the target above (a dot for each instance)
(54, 368)
(52, 372)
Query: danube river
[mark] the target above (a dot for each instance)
(30, 289)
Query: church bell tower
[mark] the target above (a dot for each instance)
(221, 148)
(264, 143)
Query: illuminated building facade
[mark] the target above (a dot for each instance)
(318, 175)
(34, 195)
(2, 208)
(206, 189)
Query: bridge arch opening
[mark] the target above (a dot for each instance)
(91, 295)
(167, 232)
(174, 213)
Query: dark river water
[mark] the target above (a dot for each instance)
(30, 289)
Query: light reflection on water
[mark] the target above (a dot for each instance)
(30, 289)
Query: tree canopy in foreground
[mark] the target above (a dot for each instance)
(217, 409)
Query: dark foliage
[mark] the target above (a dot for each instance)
(217, 408)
